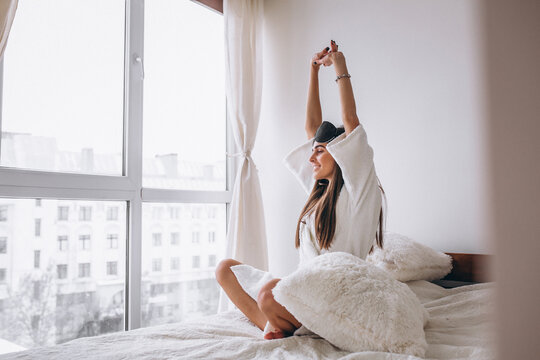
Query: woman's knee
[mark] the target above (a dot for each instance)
(223, 269)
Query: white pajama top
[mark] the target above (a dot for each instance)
(358, 204)
(357, 208)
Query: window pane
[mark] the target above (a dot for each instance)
(65, 284)
(184, 97)
(178, 280)
(62, 106)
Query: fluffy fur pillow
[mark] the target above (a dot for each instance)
(407, 260)
(354, 305)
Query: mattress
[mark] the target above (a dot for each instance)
(460, 327)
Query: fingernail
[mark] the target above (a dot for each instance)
(327, 48)
(314, 63)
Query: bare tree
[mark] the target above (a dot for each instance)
(30, 309)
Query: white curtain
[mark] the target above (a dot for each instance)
(7, 14)
(246, 236)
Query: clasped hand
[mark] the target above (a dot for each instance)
(327, 57)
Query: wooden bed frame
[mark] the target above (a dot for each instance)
(469, 268)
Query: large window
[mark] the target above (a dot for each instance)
(90, 169)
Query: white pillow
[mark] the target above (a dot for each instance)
(407, 260)
(354, 305)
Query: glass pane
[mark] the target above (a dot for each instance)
(69, 281)
(184, 140)
(62, 106)
(182, 244)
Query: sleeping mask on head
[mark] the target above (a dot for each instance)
(327, 132)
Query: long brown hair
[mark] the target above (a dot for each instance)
(323, 200)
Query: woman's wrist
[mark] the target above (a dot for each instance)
(341, 68)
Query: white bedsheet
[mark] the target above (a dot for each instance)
(460, 327)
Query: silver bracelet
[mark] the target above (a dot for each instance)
(343, 76)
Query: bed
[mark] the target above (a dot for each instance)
(459, 327)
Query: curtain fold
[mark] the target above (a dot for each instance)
(7, 14)
(246, 236)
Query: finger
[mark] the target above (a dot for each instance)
(322, 53)
(333, 45)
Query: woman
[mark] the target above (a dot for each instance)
(332, 219)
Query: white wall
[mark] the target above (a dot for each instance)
(416, 73)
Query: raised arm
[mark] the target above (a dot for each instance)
(348, 106)
(313, 111)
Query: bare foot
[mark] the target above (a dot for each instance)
(271, 333)
(274, 335)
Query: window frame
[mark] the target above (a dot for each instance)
(109, 266)
(110, 240)
(60, 212)
(62, 242)
(64, 272)
(37, 184)
(3, 244)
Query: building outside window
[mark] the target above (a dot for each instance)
(61, 271)
(211, 260)
(211, 211)
(38, 202)
(112, 241)
(196, 212)
(37, 227)
(84, 270)
(175, 238)
(3, 213)
(63, 213)
(157, 289)
(37, 255)
(175, 263)
(62, 242)
(2, 275)
(3, 244)
(196, 262)
(174, 212)
(157, 212)
(156, 265)
(195, 237)
(84, 242)
(112, 213)
(112, 268)
(156, 239)
(85, 213)
(212, 237)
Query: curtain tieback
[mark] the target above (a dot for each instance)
(243, 154)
